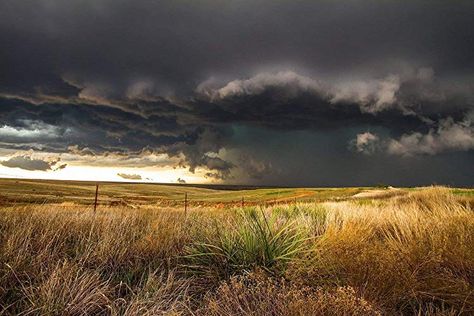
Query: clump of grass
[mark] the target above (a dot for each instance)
(256, 240)
(260, 295)
(68, 290)
(156, 294)
(311, 215)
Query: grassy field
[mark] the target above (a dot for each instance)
(295, 251)
(112, 194)
(82, 193)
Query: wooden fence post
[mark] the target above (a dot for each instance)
(96, 195)
(185, 203)
(242, 202)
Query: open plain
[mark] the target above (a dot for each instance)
(284, 251)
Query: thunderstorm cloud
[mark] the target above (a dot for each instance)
(259, 92)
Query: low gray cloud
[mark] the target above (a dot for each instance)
(253, 168)
(129, 176)
(406, 89)
(32, 164)
(365, 143)
(289, 82)
(448, 136)
(372, 96)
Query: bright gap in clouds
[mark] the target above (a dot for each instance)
(88, 173)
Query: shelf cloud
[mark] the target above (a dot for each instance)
(248, 92)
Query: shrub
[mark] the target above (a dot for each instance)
(256, 240)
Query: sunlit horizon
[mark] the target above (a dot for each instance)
(110, 174)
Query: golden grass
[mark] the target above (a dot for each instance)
(258, 294)
(403, 254)
(410, 253)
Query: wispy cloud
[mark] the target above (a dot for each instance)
(130, 176)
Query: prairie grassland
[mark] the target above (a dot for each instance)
(76, 193)
(409, 253)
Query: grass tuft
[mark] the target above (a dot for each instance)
(255, 240)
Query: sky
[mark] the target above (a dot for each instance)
(261, 92)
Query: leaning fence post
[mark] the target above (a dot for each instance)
(96, 195)
(242, 202)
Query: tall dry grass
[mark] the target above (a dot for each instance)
(56, 262)
(409, 254)
(412, 253)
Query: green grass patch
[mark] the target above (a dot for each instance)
(257, 240)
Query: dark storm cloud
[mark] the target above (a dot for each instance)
(115, 77)
(103, 129)
(31, 164)
(177, 44)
